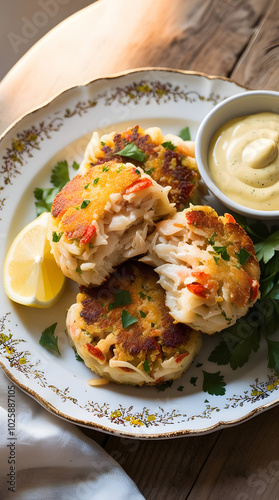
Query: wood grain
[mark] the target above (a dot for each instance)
(244, 463)
(173, 464)
(259, 65)
(110, 36)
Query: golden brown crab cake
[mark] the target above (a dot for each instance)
(102, 218)
(168, 159)
(208, 267)
(123, 330)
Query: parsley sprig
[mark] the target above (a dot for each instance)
(243, 338)
(132, 151)
(59, 177)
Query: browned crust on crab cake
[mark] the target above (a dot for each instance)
(173, 167)
(95, 186)
(151, 350)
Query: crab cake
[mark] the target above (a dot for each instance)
(208, 267)
(124, 332)
(168, 159)
(102, 218)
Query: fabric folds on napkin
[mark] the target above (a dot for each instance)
(51, 458)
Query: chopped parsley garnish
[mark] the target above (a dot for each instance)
(180, 388)
(185, 134)
(87, 186)
(213, 383)
(150, 171)
(119, 169)
(127, 319)
(146, 366)
(48, 340)
(96, 181)
(45, 196)
(211, 240)
(169, 145)
(103, 143)
(164, 385)
(56, 237)
(222, 251)
(105, 168)
(85, 204)
(132, 151)
(143, 314)
(75, 165)
(138, 172)
(78, 270)
(193, 380)
(144, 296)
(242, 256)
(78, 357)
(121, 298)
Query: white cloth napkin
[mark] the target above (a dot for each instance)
(53, 459)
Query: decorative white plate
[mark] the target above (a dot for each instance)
(30, 149)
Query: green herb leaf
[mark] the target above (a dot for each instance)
(242, 256)
(45, 196)
(78, 357)
(105, 168)
(121, 298)
(211, 240)
(95, 182)
(85, 204)
(143, 314)
(87, 186)
(213, 383)
(265, 249)
(127, 319)
(193, 380)
(56, 237)
(48, 340)
(164, 385)
(185, 134)
(180, 388)
(132, 151)
(146, 366)
(169, 145)
(60, 174)
(75, 165)
(222, 251)
(221, 354)
(150, 171)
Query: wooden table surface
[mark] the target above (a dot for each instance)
(238, 39)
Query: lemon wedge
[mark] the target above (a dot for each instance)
(31, 275)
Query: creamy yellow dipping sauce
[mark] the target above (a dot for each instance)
(244, 161)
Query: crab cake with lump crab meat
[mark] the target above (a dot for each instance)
(168, 159)
(123, 330)
(102, 218)
(208, 267)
